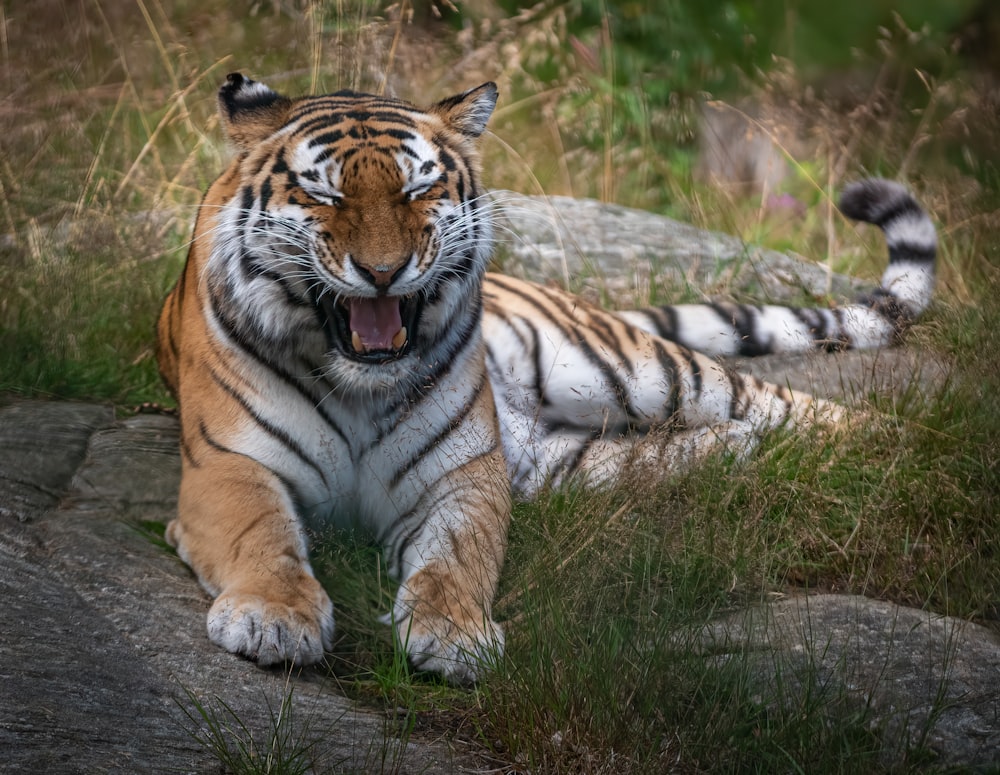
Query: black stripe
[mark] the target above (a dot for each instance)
(570, 463)
(399, 134)
(280, 166)
(239, 337)
(405, 540)
(664, 321)
(361, 108)
(452, 424)
(182, 281)
(692, 361)
(743, 317)
(462, 269)
(491, 306)
(574, 337)
(781, 391)
(258, 166)
(598, 325)
(536, 351)
(390, 115)
(186, 450)
(246, 206)
(431, 509)
(326, 138)
(279, 434)
(256, 267)
(669, 365)
(266, 192)
(632, 332)
(290, 489)
(813, 322)
(901, 250)
(207, 438)
(842, 337)
(904, 206)
(901, 247)
(738, 385)
(170, 312)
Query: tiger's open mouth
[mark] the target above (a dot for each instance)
(370, 330)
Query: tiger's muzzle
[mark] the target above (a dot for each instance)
(370, 330)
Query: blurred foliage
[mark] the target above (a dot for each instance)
(666, 46)
(671, 55)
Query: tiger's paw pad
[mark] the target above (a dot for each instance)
(269, 632)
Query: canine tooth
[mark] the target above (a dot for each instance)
(356, 342)
(400, 338)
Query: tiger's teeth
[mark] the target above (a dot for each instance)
(356, 342)
(400, 338)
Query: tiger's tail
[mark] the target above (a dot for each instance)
(908, 282)
(876, 319)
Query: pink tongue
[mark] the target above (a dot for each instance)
(376, 321)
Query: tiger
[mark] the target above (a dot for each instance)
(341, 356)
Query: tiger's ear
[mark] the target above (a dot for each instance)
(469, 111)
(250, 111)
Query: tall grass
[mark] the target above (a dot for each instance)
(604, 594)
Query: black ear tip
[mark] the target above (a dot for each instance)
(489, 90)
(235, 79)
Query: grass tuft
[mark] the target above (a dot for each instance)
(283, 748)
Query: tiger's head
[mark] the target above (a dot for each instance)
(350, 225)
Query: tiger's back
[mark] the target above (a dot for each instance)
(340, 355)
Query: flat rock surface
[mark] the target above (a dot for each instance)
(102, 637)
(622, 249)
(926, 680)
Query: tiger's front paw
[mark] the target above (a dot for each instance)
(461, 654)
(271, 631)
(444, 629)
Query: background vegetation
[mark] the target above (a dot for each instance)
(108, 137)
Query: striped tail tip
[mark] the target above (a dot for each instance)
(908, 282)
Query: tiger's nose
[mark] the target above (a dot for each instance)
(380, 274)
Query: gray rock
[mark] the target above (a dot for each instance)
(926, 680)
(102, 639)
(572, 240)
(853, 374)
(35, 468)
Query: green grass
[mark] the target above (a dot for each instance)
(284, 749)
(81, 315)
(603, 594)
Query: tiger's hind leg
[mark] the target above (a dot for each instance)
(603, 461)
(237, 529)
(560, 453)
(578, 389)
